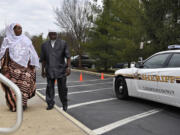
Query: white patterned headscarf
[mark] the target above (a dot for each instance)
(20, 47)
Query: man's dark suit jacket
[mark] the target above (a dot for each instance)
(55, 58)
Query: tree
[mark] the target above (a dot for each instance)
(117, 32)
(37, 42)
(2, 35)
(162, 23)
(73, 18)
(70, 40)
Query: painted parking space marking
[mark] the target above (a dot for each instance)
(84, 85)
(91, 102)
(41, 83)
(91, 80)
(41, 89)
(79, 81)
(81, 85)
(122, 122)
(87, 91)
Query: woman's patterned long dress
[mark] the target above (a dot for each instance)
(24, 78)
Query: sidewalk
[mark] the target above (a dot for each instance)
(37, 120)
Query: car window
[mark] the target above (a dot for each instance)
(174, 61)
(84, 57)
(156, 61)
(76, 57)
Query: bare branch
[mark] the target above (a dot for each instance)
(73, 18)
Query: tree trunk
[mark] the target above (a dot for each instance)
(80, 61)
(105, 66)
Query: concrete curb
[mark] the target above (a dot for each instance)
(69, 117)
(90, 72)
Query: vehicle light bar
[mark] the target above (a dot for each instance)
(173, 47)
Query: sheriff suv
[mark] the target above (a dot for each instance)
(157, 78)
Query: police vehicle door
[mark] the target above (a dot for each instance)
(170, 81)
(147, 82)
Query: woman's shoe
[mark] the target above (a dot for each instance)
(13, 110)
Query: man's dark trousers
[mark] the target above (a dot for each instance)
(62, 90)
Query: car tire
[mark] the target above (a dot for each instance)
(121, 90)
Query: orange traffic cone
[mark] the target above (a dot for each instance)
(81, 77)
(102, 76)
(55, 81)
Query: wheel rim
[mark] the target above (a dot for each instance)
(121, 87)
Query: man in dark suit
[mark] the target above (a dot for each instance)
(54, 67)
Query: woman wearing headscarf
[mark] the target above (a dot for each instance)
(18, 62)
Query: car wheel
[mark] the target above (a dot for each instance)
(121, 88)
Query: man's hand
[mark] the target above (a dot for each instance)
(43, 74)
(68, 71)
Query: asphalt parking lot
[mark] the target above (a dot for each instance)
(93, 103)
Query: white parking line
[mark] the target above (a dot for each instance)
(91, 80)
(87, 91)
(81, 85)
(41, 89)
(89, 84)
(41, 83)
(79, 81)
(90, 102)
(122, 122)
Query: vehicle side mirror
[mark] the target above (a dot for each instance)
(139, 64)
(140, 60)
(132, 64)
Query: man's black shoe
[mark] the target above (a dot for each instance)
(49, 107)
(65, 107)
